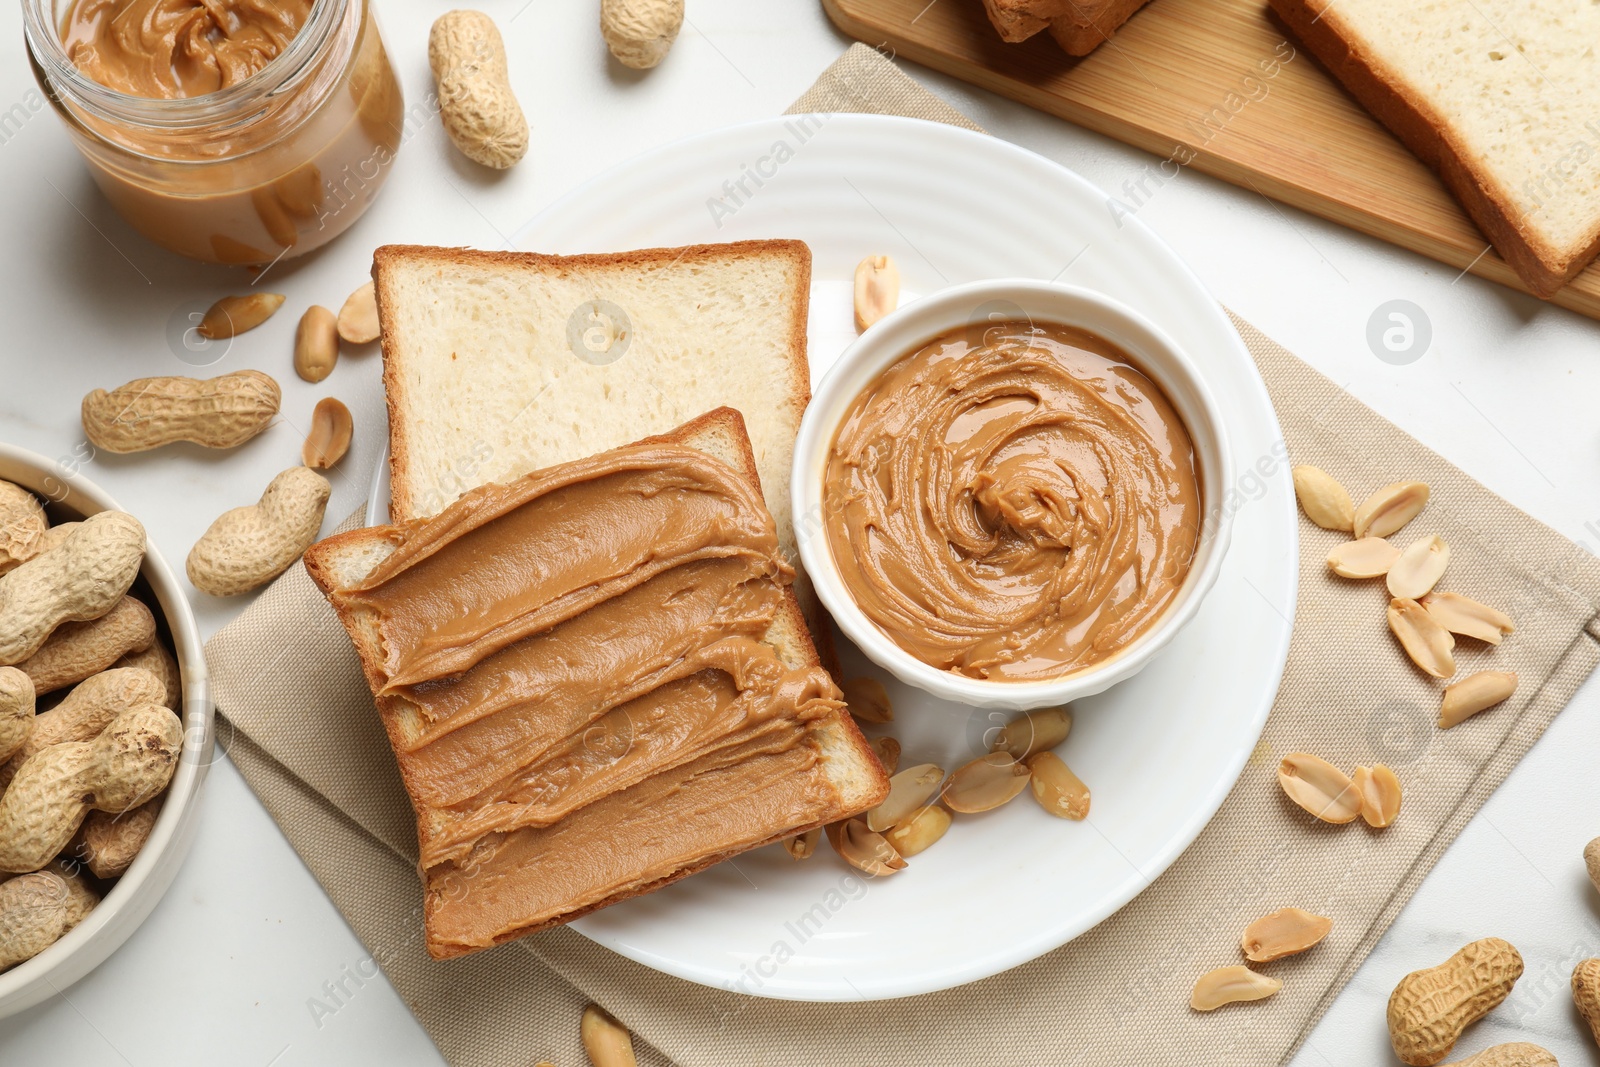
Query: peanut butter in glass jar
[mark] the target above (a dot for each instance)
(230, 131)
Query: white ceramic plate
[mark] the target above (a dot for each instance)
(1159, 751)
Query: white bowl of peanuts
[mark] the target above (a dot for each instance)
(103, 693)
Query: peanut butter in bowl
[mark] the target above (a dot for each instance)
(1013, 501)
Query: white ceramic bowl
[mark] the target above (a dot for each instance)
(68, 496)
(919, 322)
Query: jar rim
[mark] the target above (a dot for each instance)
(280, 75)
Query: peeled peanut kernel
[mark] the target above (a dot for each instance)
(801, 846)
(863, 848)
(985, 783)
(1370, 557)
(233, 315)
(316, 344)
(867, 699)
(1231, 985)
(1319, 787)
(877, 286)
(908, 791)
(1429, 645)
(329, 439)
(1380, 795)
(1465, 616)
(1283, 933)
(887, 749)
(1475, 693)
(1323, 499)
(606, 1041)
(358, 318)
(1419, 568)
(1035, 731)
(919, 832)
(1056, 788)
(1390, 508)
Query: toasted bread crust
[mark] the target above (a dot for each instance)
(1384, 93)
(320, 561)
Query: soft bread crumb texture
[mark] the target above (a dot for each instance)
(507, 364)
(1511, 85)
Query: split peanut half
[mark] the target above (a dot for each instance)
(1429, 645)
(864, 849)
(1033, 732)
(920, 831)
(877, 289)
(1323, 499)
(1419, 568)
(1283, 933)
(329, 439)
(867, 699)
(358, 318)
(908, 791)
(1370, 557)
(1056, 788)
(1319, 787)
(233, 315)
(887, 749)
(985, 783)
(1465, 616)
(1475, 693)
(1379, 789)
(1230, 985)
(1390, 508)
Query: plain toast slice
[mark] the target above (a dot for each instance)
(1496, 96)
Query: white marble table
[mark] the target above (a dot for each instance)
(225, 969)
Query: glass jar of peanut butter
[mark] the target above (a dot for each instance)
(230, 131)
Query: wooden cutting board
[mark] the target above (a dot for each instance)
(1219, 85)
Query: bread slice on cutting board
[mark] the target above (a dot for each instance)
(499, 363)
(1497, 96)
(849, 771)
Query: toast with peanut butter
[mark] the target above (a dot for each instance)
(499, 363)
(596, 680)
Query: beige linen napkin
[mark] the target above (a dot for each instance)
(300, 725)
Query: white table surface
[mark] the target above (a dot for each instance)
(226, 968)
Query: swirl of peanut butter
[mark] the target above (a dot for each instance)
(178, 48)
(1012, 503)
